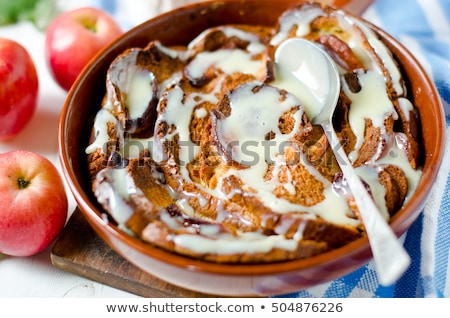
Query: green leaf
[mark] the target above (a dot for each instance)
(39, 12)
(11, 11)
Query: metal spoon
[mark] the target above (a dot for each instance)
(308, 63)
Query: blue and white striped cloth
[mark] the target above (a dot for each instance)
(424, 27)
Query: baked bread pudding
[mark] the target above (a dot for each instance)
(207, 149)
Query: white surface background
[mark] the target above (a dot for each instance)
(35, 276)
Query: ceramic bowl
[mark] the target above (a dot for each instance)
(179, 27)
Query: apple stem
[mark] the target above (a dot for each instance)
(89, 24)
(23, 183)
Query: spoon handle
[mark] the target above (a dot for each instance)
(391, 259)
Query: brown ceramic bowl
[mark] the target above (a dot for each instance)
(179, 27)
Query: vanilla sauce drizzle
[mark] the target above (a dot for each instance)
(252, 117)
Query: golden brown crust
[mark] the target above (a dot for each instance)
(394, 180)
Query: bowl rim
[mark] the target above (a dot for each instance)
(358, 246)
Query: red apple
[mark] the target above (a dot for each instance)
(73, 38)
(18, 88)
(33, 203)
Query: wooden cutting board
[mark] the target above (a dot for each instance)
(81, 251)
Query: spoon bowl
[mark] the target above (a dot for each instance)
(314, 69)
